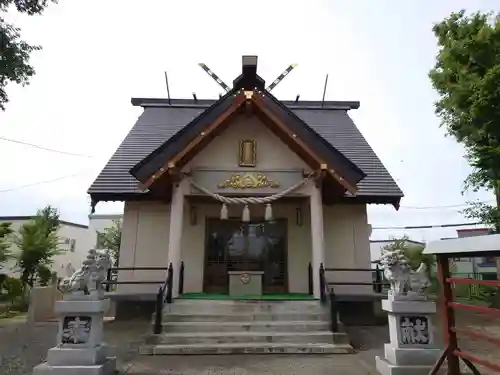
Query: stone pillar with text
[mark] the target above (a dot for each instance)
(80, 348)
(412, 349)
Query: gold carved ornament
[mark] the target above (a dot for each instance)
(248, 181)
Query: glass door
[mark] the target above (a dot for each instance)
(236, 246)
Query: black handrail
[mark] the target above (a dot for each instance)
(377, 284)
(328, 295)
(112, 276)
(310, 279)
(323, 286)
(181, 279)
(333, 312)
(164, 296)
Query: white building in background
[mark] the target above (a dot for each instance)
(472, 266)
(75, 243)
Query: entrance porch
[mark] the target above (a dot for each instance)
(281, 249)
(209, 248)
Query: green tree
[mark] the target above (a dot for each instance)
(111, 239)
(38, 243)
(15, 52)
(467, 77)
(44, 274)
(5, 253)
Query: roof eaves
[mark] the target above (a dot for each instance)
(160, 102)
(206, 103)
(316, 105)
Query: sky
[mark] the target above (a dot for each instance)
(97, 55)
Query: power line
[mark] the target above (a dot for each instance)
(45, 148)
(439, 207)
(430, 226)
(43, 182)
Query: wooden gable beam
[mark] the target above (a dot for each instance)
(257, 99)
(171, 164)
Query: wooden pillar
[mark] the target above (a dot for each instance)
(446, 296)
(175, 233)
(317, 237)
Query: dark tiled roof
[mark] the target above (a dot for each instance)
(160, 121)
(338, 128)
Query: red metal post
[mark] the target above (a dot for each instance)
(446, 295)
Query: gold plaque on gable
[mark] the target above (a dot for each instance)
(248, 153)
(248, 181)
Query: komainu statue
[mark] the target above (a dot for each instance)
(89, 277)
(78, 282)
(405, 283)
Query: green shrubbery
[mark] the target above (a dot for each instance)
(13, 289)
(44, 274)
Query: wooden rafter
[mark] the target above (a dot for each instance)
(257, 99)
(171, 164)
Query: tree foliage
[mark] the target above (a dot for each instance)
(38, 243)
(5, 253)
(44, 274)
(15, 52)
(111, 238)
(467, 78)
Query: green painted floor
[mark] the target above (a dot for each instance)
(265, 297)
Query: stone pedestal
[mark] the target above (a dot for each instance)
(80, 349)
(412, 350)
(245, 283)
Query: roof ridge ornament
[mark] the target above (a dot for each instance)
(248, 77)
(248, 94)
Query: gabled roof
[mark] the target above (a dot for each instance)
(174, 144)
(292, 129)
(162, 119)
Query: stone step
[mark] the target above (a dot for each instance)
(253, 326)
(276, 307)
(246, 348)
(243, 317)
(323, 337)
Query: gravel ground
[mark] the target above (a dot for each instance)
(23, 346)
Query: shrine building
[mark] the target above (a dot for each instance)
(245, 188)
